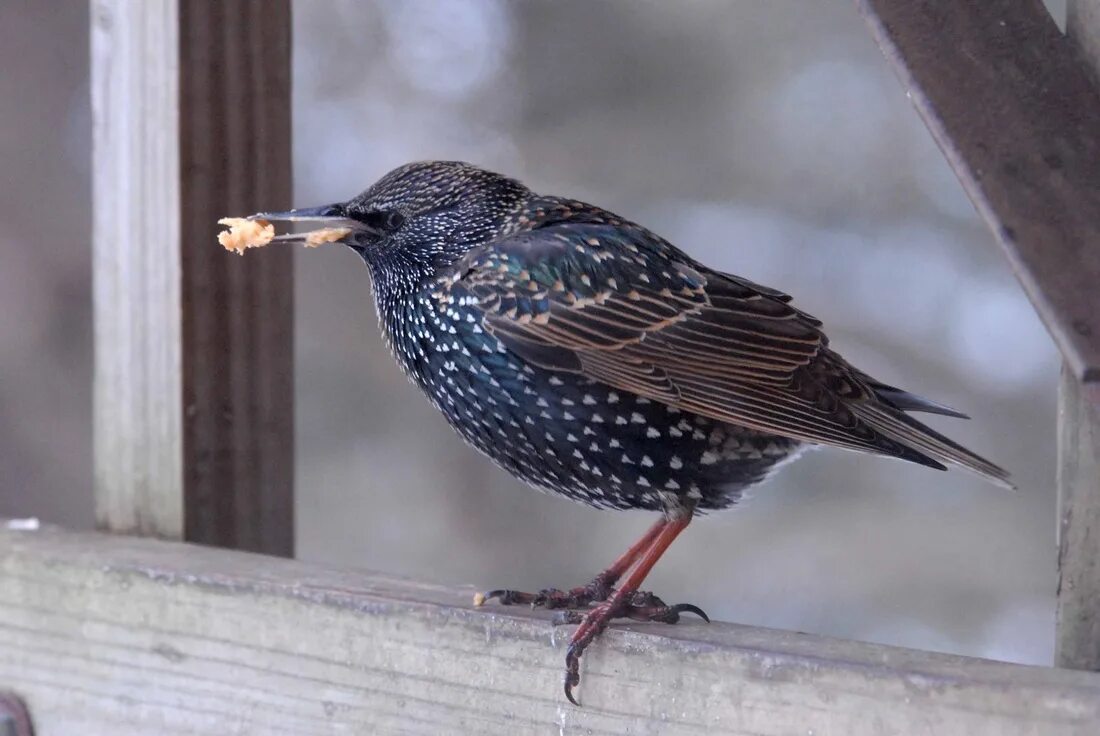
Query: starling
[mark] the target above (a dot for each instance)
(589, 357)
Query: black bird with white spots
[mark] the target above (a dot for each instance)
(589, 357)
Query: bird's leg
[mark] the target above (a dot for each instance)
(595, 591)
(627, 602)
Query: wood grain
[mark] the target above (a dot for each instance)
(1077, 643)
(1015, 112)
(116, 635)
(238, 313)
(194, 346)
(136, 267)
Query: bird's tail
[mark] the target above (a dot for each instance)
(888, 418)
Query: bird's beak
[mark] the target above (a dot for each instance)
(312, 225)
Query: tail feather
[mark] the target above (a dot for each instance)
(904, 429)
(912, 402)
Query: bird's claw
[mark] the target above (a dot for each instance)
(572, 671)
(639, 606)
(572, 607)
(551, 598)
(505, 597)
(671, 614)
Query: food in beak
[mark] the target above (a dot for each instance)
(244, 233)
(325, 235)
(255, 233)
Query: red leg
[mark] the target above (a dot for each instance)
(597, 590)
(622, 603)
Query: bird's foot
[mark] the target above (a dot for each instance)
(551, 598)
(637, 606)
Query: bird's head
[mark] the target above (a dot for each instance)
(418, 218)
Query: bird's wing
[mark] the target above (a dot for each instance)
(620, 305)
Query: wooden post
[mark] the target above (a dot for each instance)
(1016, 112)
(1077, 643)
(194, 348)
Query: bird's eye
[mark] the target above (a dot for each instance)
(394, 220)
(381, 221)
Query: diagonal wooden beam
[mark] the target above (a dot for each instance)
(1013, 105)
(1008, 100)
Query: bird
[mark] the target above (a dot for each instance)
(591, 358)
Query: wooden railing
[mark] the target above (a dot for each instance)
(135, 636)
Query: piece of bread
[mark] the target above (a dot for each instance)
(325, 235)
(244, 233)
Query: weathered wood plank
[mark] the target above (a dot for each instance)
(238, 313)
(1007, 99)
(1083, 29)
(120, 635)
(136, 267)
(1077, 643)
(194, 348)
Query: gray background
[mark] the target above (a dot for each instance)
(766, 138)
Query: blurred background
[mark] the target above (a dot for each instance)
(765, 138)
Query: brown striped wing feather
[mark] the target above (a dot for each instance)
(624, 307)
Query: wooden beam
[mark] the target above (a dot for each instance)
(194, 348)
(1007, 99)
(136, 279)
(123, 635)
(1077, 643)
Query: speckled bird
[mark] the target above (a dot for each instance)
(589, 357)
